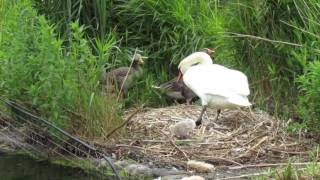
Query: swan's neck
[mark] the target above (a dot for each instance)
(197, 58)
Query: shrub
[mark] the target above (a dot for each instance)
(271, 41)
(166, 31)
(60, 82)
(309, 101)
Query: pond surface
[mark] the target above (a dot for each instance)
(23, 167)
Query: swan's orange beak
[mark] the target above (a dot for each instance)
(179, 76)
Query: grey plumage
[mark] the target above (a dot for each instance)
(177, 90)
(113, 80)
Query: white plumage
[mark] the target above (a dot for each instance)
(193, 178)
(214, 84)
(200, 167)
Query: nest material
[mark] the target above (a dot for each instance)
(237, 138)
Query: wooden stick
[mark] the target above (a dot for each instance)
(254, 174)
(287, 152)
(141, 148)
(257, 137)
(224, 159)
(258, 144)
(245, 176)
(124, 123)
(125, 78)
(263, 39)
(166, 141)
(270, 165)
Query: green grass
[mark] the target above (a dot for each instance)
(310, 170)
(270, 41)
(166, 31)
(60, 82)
(291, 172)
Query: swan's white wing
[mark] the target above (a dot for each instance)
(216, 80)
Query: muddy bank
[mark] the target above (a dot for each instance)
(13, 144)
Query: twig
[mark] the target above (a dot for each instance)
(258, 144)
(287, 152)
(254, 147)
(224, 159)
(219, 127)
(125, 78)
(254, 174)
(140, 148)
(257, 137)
(245, 176)
(271, 165)
(165, 141)
(124, 123)
(173, 144)
(251, 119)
(263, 39)
(258, 126)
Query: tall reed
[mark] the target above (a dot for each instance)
(61, 83)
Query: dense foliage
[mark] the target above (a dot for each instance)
(309, 106)
(273, 42)
(61, 83)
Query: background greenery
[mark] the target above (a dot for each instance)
(52, 52)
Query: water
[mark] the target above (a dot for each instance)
(22, 167)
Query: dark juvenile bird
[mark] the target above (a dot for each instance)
(177, 90)
(123, 76)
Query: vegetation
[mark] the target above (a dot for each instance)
(60, 82)
(52, 53)
(291, 172)
(274, 42)
(308, 105)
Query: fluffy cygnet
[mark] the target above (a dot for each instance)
(183, 128)
(193, 178)
(200, 167)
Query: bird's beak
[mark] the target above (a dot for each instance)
(179, 76)
(141, 61)
(211, 51)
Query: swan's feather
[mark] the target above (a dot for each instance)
(218, 82)
(193, 59)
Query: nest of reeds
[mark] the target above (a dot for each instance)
(237, 138)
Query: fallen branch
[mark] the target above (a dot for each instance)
(224, 159)
(271, 165)
(263, 39)
(124, 123)
(255, 174)
(257, 137)
(166, 141)
(141, 148)
(245, 176)
(287, 152)
(258, 144)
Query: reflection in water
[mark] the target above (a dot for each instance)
(22, 167)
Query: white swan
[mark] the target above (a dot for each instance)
(215, 85)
